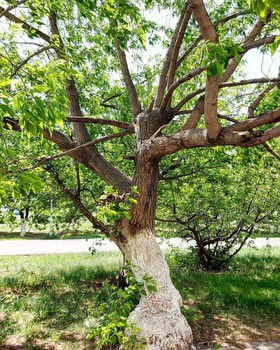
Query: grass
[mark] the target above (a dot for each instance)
(220, 306)
(45, 300)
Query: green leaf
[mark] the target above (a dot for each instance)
(40, 88)
(275, 45)
(5, 82)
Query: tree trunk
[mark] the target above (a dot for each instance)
(158, 314)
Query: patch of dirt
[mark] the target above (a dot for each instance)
(225, 332)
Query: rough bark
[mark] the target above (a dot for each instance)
(158, 314)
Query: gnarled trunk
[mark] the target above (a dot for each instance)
(158, 315)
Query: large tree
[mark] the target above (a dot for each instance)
(80, 62)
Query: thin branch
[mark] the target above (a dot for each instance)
(255, 103)
(3, 13)
(267, 118)
(249, 81)
(270, 150)
(105, 104)
(25, 25)
(228, 118)
(179, 82)
(186, 99)
(116, 123)
(167, 178)
(77, 148)
(96, 223)
(166, 65)
(112, 97)
(36, 53)
(178, 43)
(185, 111)
(134, 101)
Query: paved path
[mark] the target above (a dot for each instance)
(52, 246)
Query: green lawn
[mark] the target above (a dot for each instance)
(45, 300)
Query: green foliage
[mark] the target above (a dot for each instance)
(114, 206)
(261, 7)
(110, 325)
(218, 55)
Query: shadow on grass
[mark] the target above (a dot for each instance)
(39, 305)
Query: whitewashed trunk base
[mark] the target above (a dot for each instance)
(158, 315)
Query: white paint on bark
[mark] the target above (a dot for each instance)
(158, 315)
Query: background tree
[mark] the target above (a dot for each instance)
(219, 200)
(65, 76)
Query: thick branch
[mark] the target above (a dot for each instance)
(197, 40)
(195, 138)
(250, 38)
(212, 84)
(134, 102)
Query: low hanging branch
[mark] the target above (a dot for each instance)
(96, 223)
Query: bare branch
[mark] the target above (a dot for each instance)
(96, 223)
(212, 84)
(166, 65)
(255, 103)
(11, 7)
(36, 53)
(134, 101)
(178, 43)
(186, 99)
(267, 118)
(25, 25)
(77, 148)
(100, 121)
(270, 150)
(250, 81)
(179, 82)
(205, 24)
(229, 136)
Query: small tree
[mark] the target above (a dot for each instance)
(220, 201)
(65, 76)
